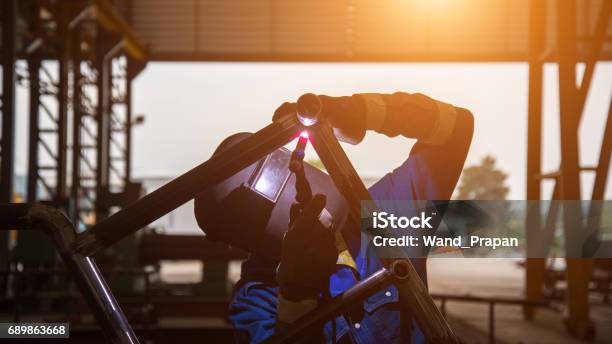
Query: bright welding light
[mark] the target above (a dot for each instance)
(307, 121)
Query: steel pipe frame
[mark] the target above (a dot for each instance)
(187, 186)
(413, 295)
(77, 249)
(158, 203)
(62, 232)
(313, 320)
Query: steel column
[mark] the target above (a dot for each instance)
(63, 52)
(599, 36)
(534, 267)
(578, 270)
(34, 71)
(7, 141)
(76, 127)
(102, 65)
(601, 178)
(128, 120)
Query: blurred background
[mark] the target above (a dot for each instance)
(104, 101)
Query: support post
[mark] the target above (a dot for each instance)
(63, 46)
(578, 270)
(9, 56)
(601, 179)
(102, 118)
(77, 119)
(534, 268)
(128, 121)
(33, 70)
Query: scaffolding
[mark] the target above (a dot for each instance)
(81, 58)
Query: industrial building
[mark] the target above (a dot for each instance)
(96, 257)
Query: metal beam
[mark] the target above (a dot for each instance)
(107, 16)
(76, 127)
(128, 120)
(601, 178)
(63, 47)
(7, 141)
(594, 53)
(534, 267)
(339, 57)
(578, 271)
(34, 71)
(185, 187)
(106, 45)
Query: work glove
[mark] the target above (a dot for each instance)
(308, 253)
(345, 114)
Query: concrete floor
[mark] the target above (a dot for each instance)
(503, 278)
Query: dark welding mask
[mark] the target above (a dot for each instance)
(250, 210)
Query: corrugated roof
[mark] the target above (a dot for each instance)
(320, 30)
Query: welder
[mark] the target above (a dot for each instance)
(273, 293)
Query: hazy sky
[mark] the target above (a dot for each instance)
(191, 107)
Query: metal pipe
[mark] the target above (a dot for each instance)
(336, 306)
(413, 293)
(100, 299)
(187, 186)
(91, 283)
(414, 296)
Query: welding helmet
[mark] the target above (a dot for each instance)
(250, 209)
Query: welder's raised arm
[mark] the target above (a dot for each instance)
(412, 115)
(443, 134)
